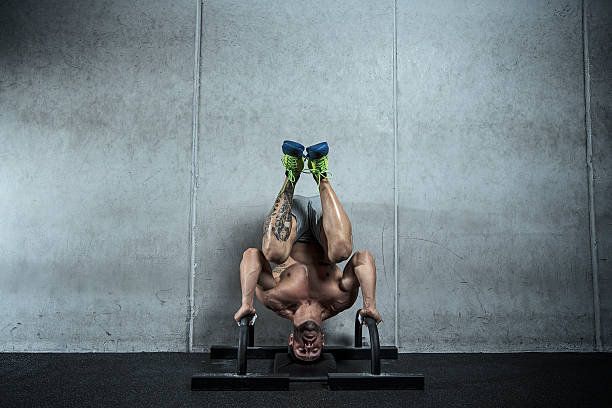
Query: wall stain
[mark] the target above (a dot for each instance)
(435, 243)
(161, 301)
(15, 328)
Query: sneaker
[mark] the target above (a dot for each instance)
(317, 160)
(293, 160)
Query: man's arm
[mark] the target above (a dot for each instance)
(363, 268)
(251, 267)
(367, 282)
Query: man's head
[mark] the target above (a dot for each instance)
(307, 341)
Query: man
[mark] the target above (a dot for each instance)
(306, 237)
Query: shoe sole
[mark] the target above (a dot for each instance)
(317, 151)
(292, 148)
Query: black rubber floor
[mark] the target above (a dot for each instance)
(162, 380)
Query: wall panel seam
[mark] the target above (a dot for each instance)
(589, 162)
(194, 176)
(395, 192)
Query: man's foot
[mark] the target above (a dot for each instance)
(317, 160)
(293, 160)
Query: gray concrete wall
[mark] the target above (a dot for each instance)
(95, 151)
(600, 51)
(494, 239)
(492, 187)
(305, 71)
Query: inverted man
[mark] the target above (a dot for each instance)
(306, 237)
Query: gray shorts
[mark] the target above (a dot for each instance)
(308, 213)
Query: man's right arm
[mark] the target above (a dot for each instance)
(248, 282)
(250, 274)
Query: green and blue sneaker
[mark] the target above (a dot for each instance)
(293, 160)
(317, 161)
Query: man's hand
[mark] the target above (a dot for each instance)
(245, 310)
(372, 312)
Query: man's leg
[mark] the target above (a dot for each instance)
(280, 227)
(336, 234)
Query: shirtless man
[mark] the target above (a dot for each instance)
(305, 238)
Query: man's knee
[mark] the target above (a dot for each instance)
(275, 253)
(363, 257)
(251, 254)
(340, 251)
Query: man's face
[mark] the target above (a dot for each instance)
(307, 341)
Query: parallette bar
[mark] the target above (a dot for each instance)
(234, 382)
(268, 352)
(335, 381)
(362, 381)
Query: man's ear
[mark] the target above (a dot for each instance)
(291, 339)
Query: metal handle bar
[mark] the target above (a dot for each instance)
(374, 341)
(246, 338)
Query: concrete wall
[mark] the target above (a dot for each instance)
(600, 50)
(494, 239)
(492, 188)
(95, 150)
(306, 71)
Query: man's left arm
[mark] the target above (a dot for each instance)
(365, 270)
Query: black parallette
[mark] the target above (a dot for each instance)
(335, 381)
(219, 352)
(374, 346)
(241, 350)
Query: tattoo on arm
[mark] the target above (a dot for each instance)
(279, 218)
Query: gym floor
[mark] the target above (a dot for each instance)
(163, 380)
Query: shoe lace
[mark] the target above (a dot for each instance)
(319, 166)
(290, 163)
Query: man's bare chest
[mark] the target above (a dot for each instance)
(303, 284)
